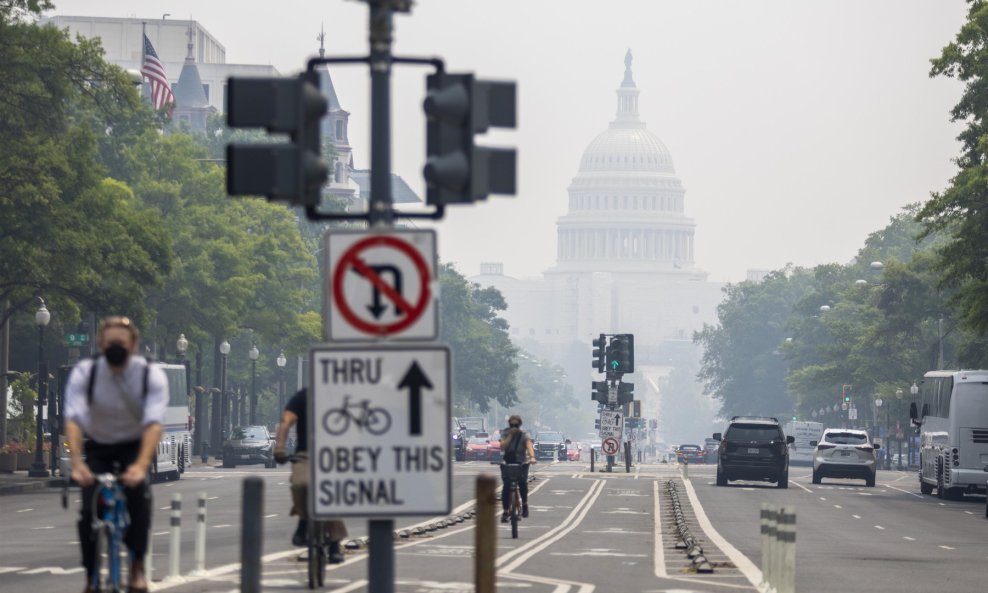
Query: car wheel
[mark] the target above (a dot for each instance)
(721, 478)
(925, 488)
(870, 481)
(783, 480)
(227, 461)
(817, 478)
(181, 461)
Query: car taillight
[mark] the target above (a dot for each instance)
(822, 446)
(864, 447)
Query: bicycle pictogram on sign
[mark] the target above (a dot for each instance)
(374, 420)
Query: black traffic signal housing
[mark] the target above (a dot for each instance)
(626, 352)
(626, 393)
(599, 363)
(846, 392)
(599, 392)
(295, 171)
(457, 107)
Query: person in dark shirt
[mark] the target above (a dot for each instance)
(516, 447)
(294, 414)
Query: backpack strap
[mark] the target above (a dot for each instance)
(92, 381)
(144, 387)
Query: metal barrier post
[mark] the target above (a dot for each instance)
(627, 457)
(200, 568)
(787, 540)
(175, 545)
(772, 576)
(686, 469)
(593, 453)
(485, 535)
(765, 541)
(251, 535)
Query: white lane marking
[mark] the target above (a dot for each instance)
(800, 485)
(743, 564)
(969, 512)
(6, 569)
(856, 516)
(660, 558)
(879, 527)
(24, 510)
(912, 539)
(351, 587)
(212, 497)
(526, 551)
(168, 508)
(270, 516)
(947, 547)
(52, 570)
(222, 526)
(39, 528)
(837, 506)
(943, 504)
(161, 533)
(906, 492)
(823, 498)
(561, 586)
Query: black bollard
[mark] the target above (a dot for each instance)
(251, 535)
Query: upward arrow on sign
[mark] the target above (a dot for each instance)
(414, 380)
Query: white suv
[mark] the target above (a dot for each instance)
(845, 453)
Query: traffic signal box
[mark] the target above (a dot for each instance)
(457, 107)
(615, 357)
(599, 362)
(846, 393)
(295, 171)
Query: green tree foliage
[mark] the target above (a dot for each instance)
(962, 208)
(484, 364)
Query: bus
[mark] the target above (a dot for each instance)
(801, 451)
(952, 416)
(174, 452)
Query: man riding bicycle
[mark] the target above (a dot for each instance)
(516, 447)
(295, 414)
(118, 401)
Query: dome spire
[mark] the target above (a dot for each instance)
(628, 80)
(627, 96)
(322, 40)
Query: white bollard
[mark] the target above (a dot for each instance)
(773, 546)
(175, 547)
(686, 471)
(765, 541)
(200, 569)
(787, 539)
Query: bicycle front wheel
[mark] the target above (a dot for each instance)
(515, 511)
(102, 571)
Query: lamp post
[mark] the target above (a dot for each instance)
(253, 354)
(914, 390)
(878, 415)
(224, 401)
(41, 317)
(281, 361)
(898, 426)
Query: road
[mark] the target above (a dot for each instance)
(587, 532)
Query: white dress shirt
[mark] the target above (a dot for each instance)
(111, 419)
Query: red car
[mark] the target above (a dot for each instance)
(573, 451)
(690, 454)
(478, 449)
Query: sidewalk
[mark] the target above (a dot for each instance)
(19, 483)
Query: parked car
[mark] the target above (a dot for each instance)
(247, 445)
(478, 449)
(753, 448)
(710, 450)
(550, 445)
(845, 453)
(494, 447)
(690, 454)
(573, 451)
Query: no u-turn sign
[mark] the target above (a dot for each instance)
(381, 285)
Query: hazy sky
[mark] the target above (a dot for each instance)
(796, 127)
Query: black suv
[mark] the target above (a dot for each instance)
(753, 448)
(550, 445)
(248, 444)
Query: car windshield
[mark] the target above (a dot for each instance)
(550, 436)
(478, 441)
(846, 438)
(242, 433)
(752, 432)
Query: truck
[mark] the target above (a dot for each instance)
(472, 425)
(801, 451)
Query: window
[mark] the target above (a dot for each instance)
(205, 89)
(339, 130)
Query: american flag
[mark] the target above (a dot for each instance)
(161, 91)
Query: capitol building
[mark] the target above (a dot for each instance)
(625, 253)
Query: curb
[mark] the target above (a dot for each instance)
(22, 487)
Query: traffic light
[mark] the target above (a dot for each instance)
(846, 392)
(599, 391)
(457, 106)
(598, 354)
(293, 171)
(622, 356)
(626, 393)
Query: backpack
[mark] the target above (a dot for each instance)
(511, 451)
(92, 381)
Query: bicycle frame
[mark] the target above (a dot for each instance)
(514, 472)
(109, 516)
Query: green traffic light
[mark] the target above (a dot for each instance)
(615, 364)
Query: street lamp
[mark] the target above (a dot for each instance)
(41, 317)
(898, 425)
(253, 354)
(878, 414)
(224, 401)
(182, 346)
(282, 361)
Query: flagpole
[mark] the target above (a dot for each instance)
(140, 68)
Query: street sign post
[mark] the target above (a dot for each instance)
(381, 286)
(378, 425)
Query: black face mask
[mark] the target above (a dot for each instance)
(116, 355)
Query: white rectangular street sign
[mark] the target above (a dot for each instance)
(379, 431)
(380, 286)
(611, 424)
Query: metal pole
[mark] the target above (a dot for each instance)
(485, 536)
(200, 568)
(38, 469)
(4, 367)
(224, 406)
(251, 535)
(253, 392)
(200, 423)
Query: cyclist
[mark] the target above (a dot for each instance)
(516, 447)
(295, 414)
(117, 400)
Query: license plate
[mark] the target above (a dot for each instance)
(753, 450)
(245, 456)
(845, 453)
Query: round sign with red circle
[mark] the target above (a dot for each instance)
(381, 286)
(609, 446)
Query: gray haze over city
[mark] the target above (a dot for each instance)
(797, 128)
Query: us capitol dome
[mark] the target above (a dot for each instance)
(626, 205)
